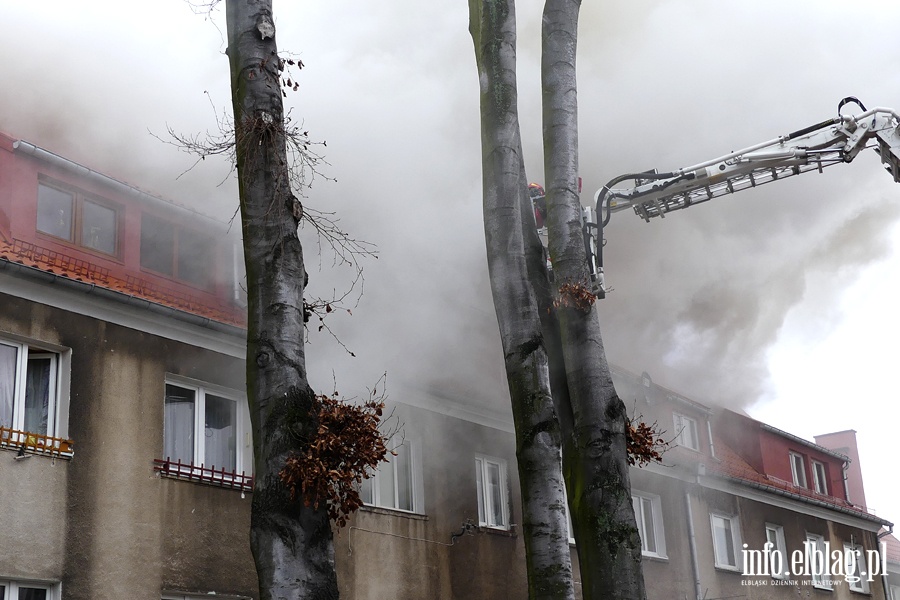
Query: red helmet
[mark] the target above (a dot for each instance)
(535, 190)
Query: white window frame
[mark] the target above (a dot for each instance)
(734, 527)
(683, 424)
(484, 501)
(820, 477)
(642, 502)
(11, 588)
(779, 545)
(855, 563)
(243, 438)
(819, 580)
(798, 469)
(58, 405)
(371, 490)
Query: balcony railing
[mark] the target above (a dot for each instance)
(35, 443)
(200, 474)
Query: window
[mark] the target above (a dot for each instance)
(814, 548)
(394, 484)
(493, 503)
(726, 540)
(895, 592)
(648, 515)
(176, 251)
(206, 426)
(30, 386)
(819, 478)
(73, 217)
(686, 432)
(24, 590)
(798, 469)
(778, 556)
(855, 568)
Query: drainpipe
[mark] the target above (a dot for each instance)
(692, 543)
(883, 559)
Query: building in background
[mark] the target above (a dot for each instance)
(125, 453)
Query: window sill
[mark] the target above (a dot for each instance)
(202, 475)
(35, 444)
(393, 512)
(509, 533)
(655, 557)
(727, 569)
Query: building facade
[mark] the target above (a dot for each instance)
(125, 452)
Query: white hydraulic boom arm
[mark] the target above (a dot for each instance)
(837, 140)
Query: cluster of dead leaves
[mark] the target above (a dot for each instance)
(645, 443)
(575, 295)
(347, 448)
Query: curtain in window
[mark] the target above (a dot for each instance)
(8, 355)
(220, 443)
(37, 394)
(179, 424)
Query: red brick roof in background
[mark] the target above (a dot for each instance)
(63, 265)
(892, 545)
(730, 465)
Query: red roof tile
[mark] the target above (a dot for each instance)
(63, 265)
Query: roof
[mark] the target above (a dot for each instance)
(730, 465)
(39, 259)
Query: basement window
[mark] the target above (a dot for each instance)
(32, 415)
(206, 432)
(492, 491)
(73, 216)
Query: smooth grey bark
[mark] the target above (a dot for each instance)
(291, 543)
(544, 529)
(595, 458)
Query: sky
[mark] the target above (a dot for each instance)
(777, 301)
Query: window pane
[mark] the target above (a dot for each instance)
(8, 358)
(26, 593)
(98, 227)
(55, 212)
(493, 473)
(385, 483)
(221, 443)
(366, 491)
(39, 380)
(157, 244)
(404, 478)
(479, 485)
(195, 262)
(724, 542)
(179, 424)
(647, 512)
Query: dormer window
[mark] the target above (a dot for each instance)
(72, 216)
(176, 251)
(686, 432)
(798, 471)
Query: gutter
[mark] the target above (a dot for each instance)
(107, 181)
(794, 496)
(883, 559)
(123, 298)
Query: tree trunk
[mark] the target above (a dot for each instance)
(492, 25)
(291, 543)
(595, 458)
